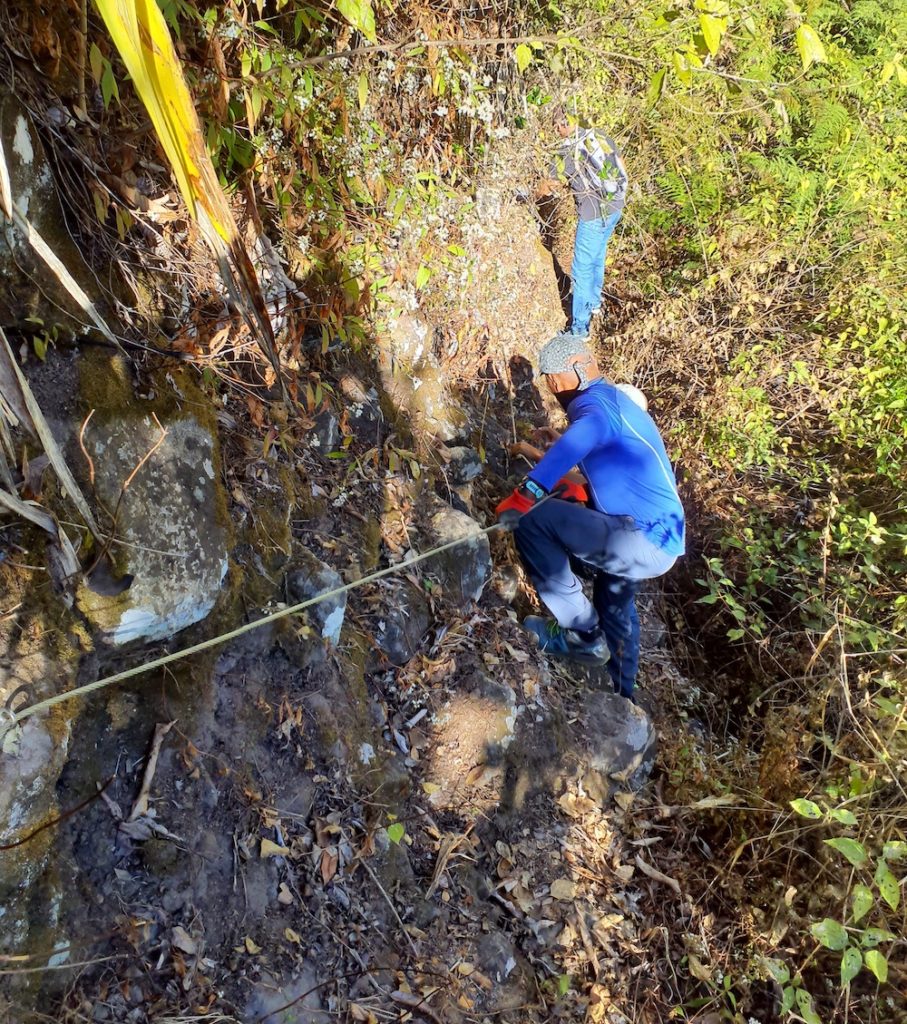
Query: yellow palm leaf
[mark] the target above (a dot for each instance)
(142, 38)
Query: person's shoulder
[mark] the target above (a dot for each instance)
(599, 399)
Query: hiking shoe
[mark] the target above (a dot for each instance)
(566, 643)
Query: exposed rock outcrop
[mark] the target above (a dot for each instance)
(28, 288)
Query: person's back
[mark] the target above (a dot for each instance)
(594, 169)
(617, 447)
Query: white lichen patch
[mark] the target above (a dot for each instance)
(332, 626)
(22, 146)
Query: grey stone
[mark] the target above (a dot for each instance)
(175, 541)
(496, 956)
(462, 570)
(363, 409)
(31, 759)
(28, 287)
(308, 578)
(270, 995)
(403, 624)
(464, 465)
(617, 738)
(326, 434)
(411, 373)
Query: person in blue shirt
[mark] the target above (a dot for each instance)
(625, 520)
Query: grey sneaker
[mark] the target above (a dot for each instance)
(566, 643)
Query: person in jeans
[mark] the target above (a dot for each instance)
(595, 171)
(630, 528)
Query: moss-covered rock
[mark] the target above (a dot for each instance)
(155, 475)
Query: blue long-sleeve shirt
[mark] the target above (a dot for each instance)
(617, 447)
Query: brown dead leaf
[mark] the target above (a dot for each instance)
(698, 969)
(624, 872)
(362, 1013)
(563, 889)
(328, 864)
(181, 939)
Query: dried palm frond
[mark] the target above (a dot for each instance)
(141, 36)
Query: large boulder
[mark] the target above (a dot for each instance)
(615, 740)
(460, 574)
(598, 746)
(463, 570)
(29, 289)
(36, 661)
(151, 468)
(412, 374)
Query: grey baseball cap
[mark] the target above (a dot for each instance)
(557, 355)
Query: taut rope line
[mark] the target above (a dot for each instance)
(10, 719)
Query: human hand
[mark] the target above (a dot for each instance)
(545, 436)
(523, 450)
(570, 490)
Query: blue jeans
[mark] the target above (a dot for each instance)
(549, 536)
(588, 271)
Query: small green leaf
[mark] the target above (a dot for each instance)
(682, 69)
(563, 984)
(862, 901)
(787, 1000)
(877, 963)
(656, 88)
(360, 15)
(843, 815)
(523, 54)
(851, 963)
(363, 89)
(889, 889)
(873, 936)
(778, 971)
(96, 59)
(805, 1006)
(395, 832)
(895, 850)
(830, 933)
(109, 88)
(422, 276)
(810, 46)
(855, 852)
(807, 809)
(712, 30)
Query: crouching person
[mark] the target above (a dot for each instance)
(630, 528)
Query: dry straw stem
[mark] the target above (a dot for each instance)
(40, 426)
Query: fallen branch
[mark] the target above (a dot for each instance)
(141, 804)
(657, 875)
(435, 44)
(417, 1004)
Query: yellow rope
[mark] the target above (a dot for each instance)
(9, 718)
